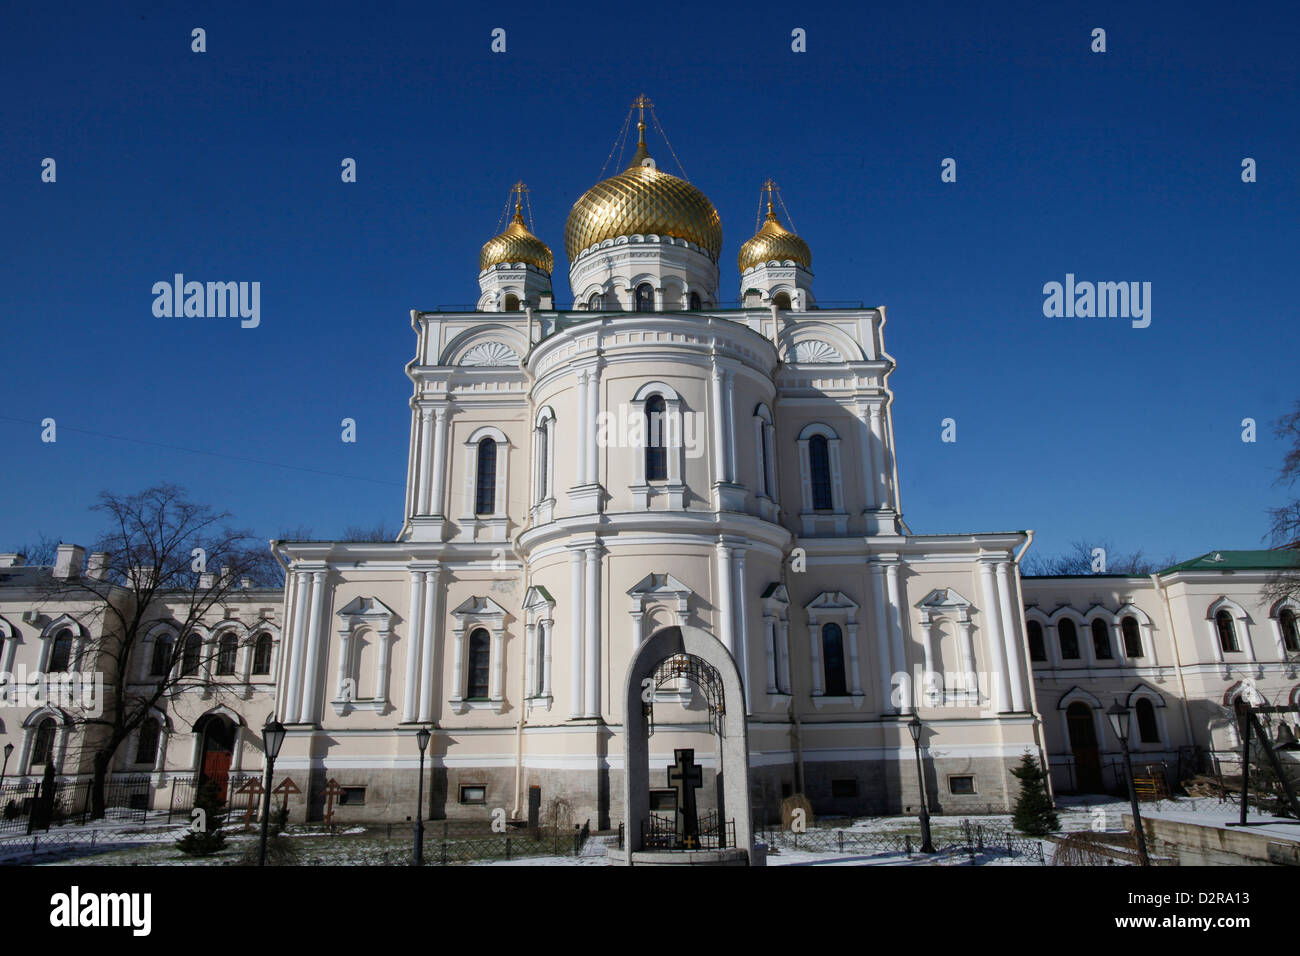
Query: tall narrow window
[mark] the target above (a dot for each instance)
(645, 297)
(512, 303)
(1069, 640)
(146, 750)
(765, 461)
(226, 654)
(60, 652)
(1148, 728)
(833, 656)
(1132, 637)
(485, 493)
(1227, 633)
(480, 657)
(43, 745)
(593, 303)
(162, 657)
(193, 649)
(543, 458)
(695, 300)
(781, 300)
(656, 443)
(1101, 640)
(1037, 649)
(1290, 634)
(819, 464)
(262, 654)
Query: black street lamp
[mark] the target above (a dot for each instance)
(272, 740)
(422, 738)
(1120, 718)
(9, 749)
(914, 728)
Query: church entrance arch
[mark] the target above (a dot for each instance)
(217, 747)
(1083, 744)
(665, 657)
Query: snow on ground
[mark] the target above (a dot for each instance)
(127, 841)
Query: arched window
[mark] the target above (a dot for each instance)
(1037, 649)
(1148, 729)
(480, 658)
(593, 303)
(190, 655)
(262, 654)
(819, 465)
(43, 743)
(485, 484)
(645, 297)
(781, 300)
(1132, 637)
(162, 656)
(656, 439)
(1290, 634)
(226, 653)
(146, 750)
(1069, 640)
(60, 652)
(512, 302)
(543, 457)
(1101, 640)
(833, 656)
(695, 300)
(1227, 633)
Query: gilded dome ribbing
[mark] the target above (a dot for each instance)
(774, 242)
(639, 201)
(516, 244)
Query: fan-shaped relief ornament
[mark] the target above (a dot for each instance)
(815, 351)
(491, 353)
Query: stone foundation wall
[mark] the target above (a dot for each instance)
(835, 788)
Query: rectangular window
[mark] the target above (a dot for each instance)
(844, 788)
(961, 785)
(353, 797)
(473, 793)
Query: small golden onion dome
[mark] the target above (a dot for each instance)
(516, 244)
(642, 200)
(774, 242)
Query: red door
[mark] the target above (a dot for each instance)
(216, 767)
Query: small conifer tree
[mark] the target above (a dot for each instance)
(1034, 814)
(209, 837)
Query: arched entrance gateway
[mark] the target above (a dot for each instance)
(216, 734)
(667, 656)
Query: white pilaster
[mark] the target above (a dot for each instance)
(896, 629)
(1015, 672)
(315, 642)
(742, 627)
(991, 623)
(437, 494)
(880, 598)
(591, 691)
(297, 653)
(726, 605)
(576, 705)
(414, 622)
(428, 642)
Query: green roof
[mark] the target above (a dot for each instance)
(1239, 561)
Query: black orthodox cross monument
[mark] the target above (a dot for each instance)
(685, 776)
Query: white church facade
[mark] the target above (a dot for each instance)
(658, 455)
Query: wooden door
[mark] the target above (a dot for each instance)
(1083, 744)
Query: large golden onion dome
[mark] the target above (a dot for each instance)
(774, 242)
(516, 244)
(642, 200)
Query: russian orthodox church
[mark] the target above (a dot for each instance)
(658, 455)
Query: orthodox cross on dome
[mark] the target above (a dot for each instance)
(772, 191)
(685, 776)
(518, 197)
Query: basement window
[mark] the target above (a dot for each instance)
(473, 794)
(961, 785)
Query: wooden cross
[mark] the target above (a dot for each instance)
(286, 787)
(685, 776)
(332, 790)
(252, 787)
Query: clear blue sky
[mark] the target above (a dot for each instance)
(225, 166)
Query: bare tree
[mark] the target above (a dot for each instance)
(1081, 559)
(39, 553)
(1284, 520)
(380, 532)
(167, 559)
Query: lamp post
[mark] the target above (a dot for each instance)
(1120, 718)
(914, 728)
(272, 739)
(9, 749)
(422, 738)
